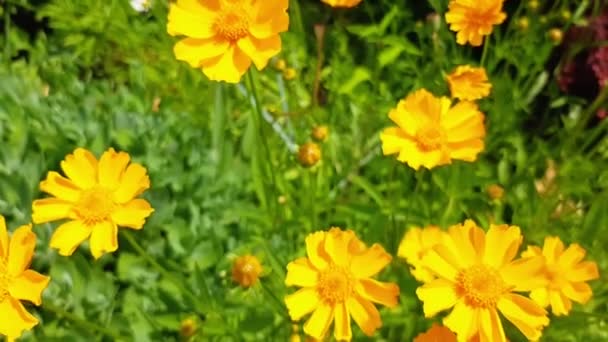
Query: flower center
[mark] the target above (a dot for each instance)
(232, 22)
(95, 205)
(481, 286)
(335, 285)
(429, 138)
(4, 281)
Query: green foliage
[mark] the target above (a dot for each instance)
(98, 74)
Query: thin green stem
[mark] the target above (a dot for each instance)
(312, 185)
(587, 115)
(484, 54)
(297, 13)
(86, 325)
(7, 31)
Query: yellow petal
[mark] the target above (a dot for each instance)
(463, 320)
(4, 241)
(104, 239)
(133, 182)
(81, 168)
(463, 237)
(196, 24)
(525, 314)
(21, 250)
(133, 214)
(301, 303)
(112, 164)
(270, 21)
(342, 330)
(540, 296)
(393, 139)
(315, 248)
(60, 187)
(525, 274)
(69, 236)
(195, 51)
(15, 319)
(571, 256)
(50, 209)
(318, 323)
(502, 243)
(464, 122)
(365, 314)
(560, 304)
(584, 271)
(441, 262)
(553, 248)
(466, 150)
(260, 50)
(386, 294)
(301, 273)
(228, 67)
(578, 292)
(29, 286)
(336, 245)
(491, 327)
(370, 262)
(436, 296)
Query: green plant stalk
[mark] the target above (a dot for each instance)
(87, 325)
(297, 13)
(484, 54)
(588, 115)
(7, 31)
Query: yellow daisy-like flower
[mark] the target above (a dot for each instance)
(96, 198)
(17, 282)
(437, 333)
(477, 276)
(342, 3)
(337, 284)
(469, 83)
(415, 244)
(566, 275)
(431, 133)
(223, 37)
(246, 270)
(473, 19)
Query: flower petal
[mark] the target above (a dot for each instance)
(195, 51)
(69, 236)
(315, 249)
(491, 326)
(525, 274)
(228, 67)
(436, 296)
(375, 291)
(552, 249)
(104, 239)
(441, 262)
(342, 330)
(272, 19)
(133, 214)
(60, 187)
(301, 273)
(302, 302)
(584, 271)
(540, 296)
(560, 304)
(195, 22)
(466, 238)
(370, 262)
(4, 240)
(260, 50)
(134, 181)
(15, 319)
(81, 168)
(318, 323)
(578, 292)
(463, 320)
(50, 209)
(502, 243)
(21, 250)
(336, 245)
(112, 165)
(393, 139)
(29, 286)
(525, 314)
(365, 314)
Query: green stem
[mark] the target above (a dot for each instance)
(586, 116)
(7, 31)
(86, 325)
(297, 13)
(484, 54)
(312, 185)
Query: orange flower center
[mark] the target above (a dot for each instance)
(4, 280)
(481, 286)
(95, 205)
(430, 137)
(232, 22)
(335, 285)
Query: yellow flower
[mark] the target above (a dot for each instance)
(188, 327)
(337, 284)
(496, 192)
(290, 74)
(320, 133)
(96, 198)
(566, 275)
(430, 132)
(309, 154)
(246, 270)
(474, 19)
(223, 37)
(469, 83)
(17, 282)
(437, 333)
(476, 276)
(342, 3)
(415, 244)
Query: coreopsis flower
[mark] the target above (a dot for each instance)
(437, 333)
(336, 281)
(430, 132)
(223, 37)
(188, 327)
(320, 133)
(342, 3)
(474, 19)
(246, 270)
(309, 154)
(477, 277)
(17, 282)
(566, 275)
(95, 198)
(416, 242)
(469, 83)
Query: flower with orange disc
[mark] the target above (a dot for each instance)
(474, 19)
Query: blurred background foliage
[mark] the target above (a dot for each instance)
(99, 74)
